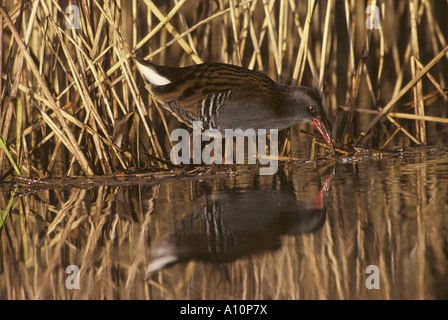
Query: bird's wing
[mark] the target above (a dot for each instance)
(201, 89)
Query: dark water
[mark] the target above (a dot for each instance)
(311, 231)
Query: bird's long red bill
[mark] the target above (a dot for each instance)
(321, 128)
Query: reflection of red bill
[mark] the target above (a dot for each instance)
(322, 195)
(320, 127)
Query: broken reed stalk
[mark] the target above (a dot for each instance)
(4, 148)
(325, 45)
(400, 115)
(418, 89)
(302, 54)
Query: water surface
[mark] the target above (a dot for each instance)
(308, 232)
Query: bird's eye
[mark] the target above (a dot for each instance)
(311, 109)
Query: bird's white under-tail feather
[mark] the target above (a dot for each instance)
(151, 75)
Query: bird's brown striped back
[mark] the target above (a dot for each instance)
(191, 85)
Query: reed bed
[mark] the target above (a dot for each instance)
(73, 104)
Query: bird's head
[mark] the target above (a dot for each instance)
(305, 106)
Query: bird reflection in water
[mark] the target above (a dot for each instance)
(234, 224)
